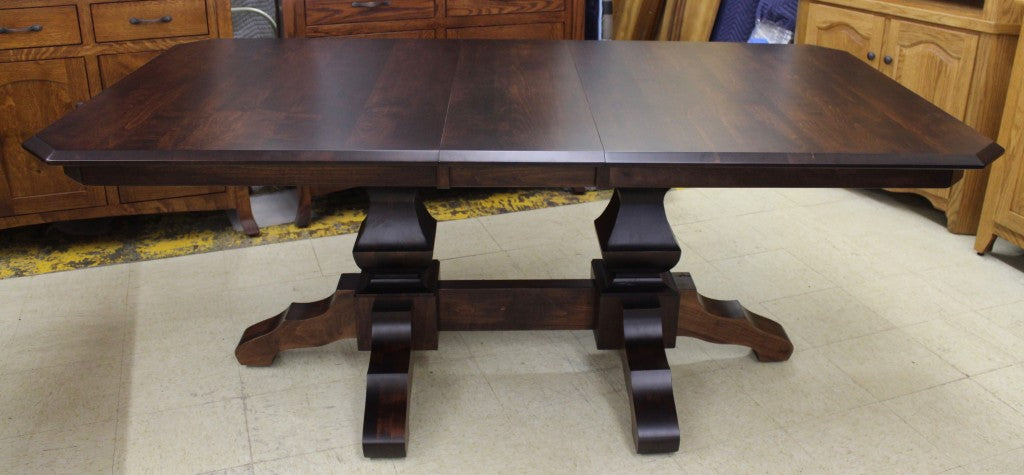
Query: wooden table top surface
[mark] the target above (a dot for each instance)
(275, 104)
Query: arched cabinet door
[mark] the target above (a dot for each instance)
(858, 33)
(27, 185)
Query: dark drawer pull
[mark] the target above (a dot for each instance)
(163, 19)
(381, 3)
(25, 29)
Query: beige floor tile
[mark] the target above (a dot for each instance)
(306, 419)
(772, 452)
(58, 397)
(990, 283)
(525, 380)
(84, 449)
(341, 461)
(906, 299)
(1005, 315)
(817, 196)
(734, 236)
(496, 265)
(547, 226)
(334, 254)
(195, 272)
(289, 261)
(564, 260)
(1004, 339)
(825, 316)
(157, 442)
(95, 292)
(713, 408)
(738, 202)
(890, 364)
(869, 439)
(806, 387)
(461, 238)
(964, 350)
(1007, 384)
(841, 259)
(963, 420)
(42, 341)
(1009, 463)
(772, 275)
(180, 377)
(239, 470)
(338, 361)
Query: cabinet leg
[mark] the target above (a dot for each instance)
(243, 208)
(304, 212)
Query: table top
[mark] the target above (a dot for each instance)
(382, 112)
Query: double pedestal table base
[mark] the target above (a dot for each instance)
(397, 305)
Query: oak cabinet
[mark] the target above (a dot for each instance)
(55, 54)
(30, 186)
(491, 19)
(1003, 214)
(955, 56)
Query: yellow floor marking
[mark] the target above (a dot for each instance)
(33, 250)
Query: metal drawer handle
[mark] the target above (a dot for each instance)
(163, 19)
(381, 3)
(25, 29)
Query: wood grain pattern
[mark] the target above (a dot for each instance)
(497, 7)
(388, 382)
(649, 382)
(320, 12)
(46, 78)
(499, 104)
(518, 101)
(545, 30)
(112, 21)
(56, 26)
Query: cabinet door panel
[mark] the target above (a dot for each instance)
(52, 88)
(533, 31)
(114, 67)
(858, 33)
(936, 63)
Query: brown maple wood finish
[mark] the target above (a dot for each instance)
(398, 115)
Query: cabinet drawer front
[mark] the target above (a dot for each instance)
(149, 19)
(497, 7)
(531, 31)
(32, 27)
(326, 12)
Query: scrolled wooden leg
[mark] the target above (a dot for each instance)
(726, 321)
(649, 382)
(304, 211)
(388, 382)
(243, 207)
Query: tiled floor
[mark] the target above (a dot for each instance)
(910, 355)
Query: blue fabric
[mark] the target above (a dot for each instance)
(780, 12)
(735, 20)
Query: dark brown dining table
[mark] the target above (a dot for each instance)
(398, 116)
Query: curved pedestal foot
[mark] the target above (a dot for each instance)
(302, 325)
(726, 321)
(388, 381)
(649, 382)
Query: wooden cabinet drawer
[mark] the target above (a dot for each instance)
(530, 31)
(123, 21)
(497, 7)
(32, 27)
(326, 12)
